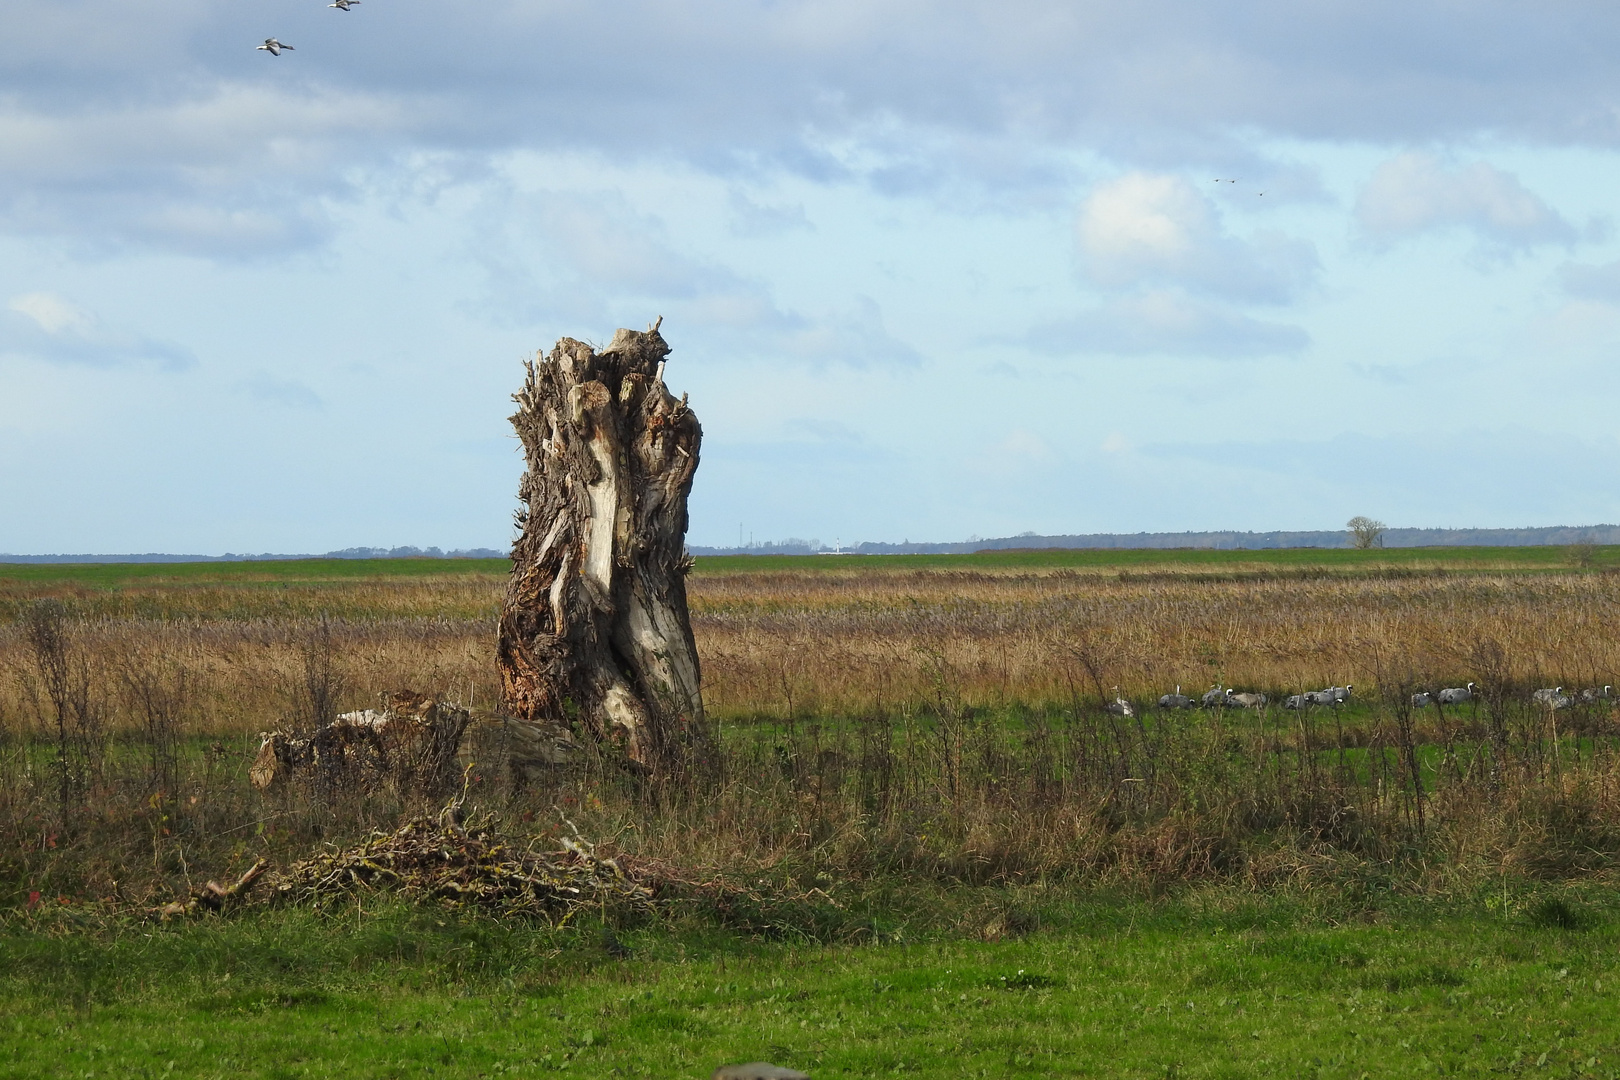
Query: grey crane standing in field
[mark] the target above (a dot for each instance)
(1320, 697)
(1589, 696)
(1456, 695)
(1119, 706)
(1551, 699)
(1422, 700)
(1246, 700)
(1341, 694)
(1177, 700)
(273, 47)
(1216, 696)
(1297, 701)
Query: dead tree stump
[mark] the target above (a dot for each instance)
(594, 631)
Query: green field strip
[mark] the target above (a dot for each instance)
(1124, 991)
(321, 571)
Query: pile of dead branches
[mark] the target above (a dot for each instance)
(439, 860)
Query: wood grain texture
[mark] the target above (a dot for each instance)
(594, 631)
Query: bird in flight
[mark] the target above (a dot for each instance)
(273, 47)
(1222, 180)
(343, 5)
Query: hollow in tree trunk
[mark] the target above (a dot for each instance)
(594, 631)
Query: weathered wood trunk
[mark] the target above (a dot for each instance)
(594, 631)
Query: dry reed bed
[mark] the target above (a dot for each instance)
(799, 644)
(810, 645)
(240, 677)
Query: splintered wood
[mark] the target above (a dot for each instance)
(594, 630)
(411, 743)
(213, 896)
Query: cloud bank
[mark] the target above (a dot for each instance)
(112, 144)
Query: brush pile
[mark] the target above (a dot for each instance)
(439, 860)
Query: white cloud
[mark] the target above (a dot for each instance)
(53, 314)
(1141, 222)
(1417, 192)
(1147, 229)
(1168, 324)
(1171, 276)
(50, 327)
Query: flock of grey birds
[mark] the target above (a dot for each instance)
(1219, 696)
(1556, 698)
(276, 48)
(1334, 696)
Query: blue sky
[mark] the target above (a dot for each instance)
(930, 270)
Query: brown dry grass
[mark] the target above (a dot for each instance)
(876, 724)
(781, 644)
(775, 643)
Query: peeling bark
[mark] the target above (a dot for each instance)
(594, 631)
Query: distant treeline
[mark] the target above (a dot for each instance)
(1556, 535)
(346, 553)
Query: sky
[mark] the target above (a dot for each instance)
(929, 270)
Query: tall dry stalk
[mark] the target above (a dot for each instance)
(75, 703)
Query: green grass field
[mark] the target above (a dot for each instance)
(1341, 559)
(1119, 988)
(323, 571)
(245, 574)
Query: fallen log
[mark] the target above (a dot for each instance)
(410, 742)
(213, 896)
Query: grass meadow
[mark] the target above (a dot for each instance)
(944, 855)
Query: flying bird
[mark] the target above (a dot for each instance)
(343, 5)
(273, 47)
